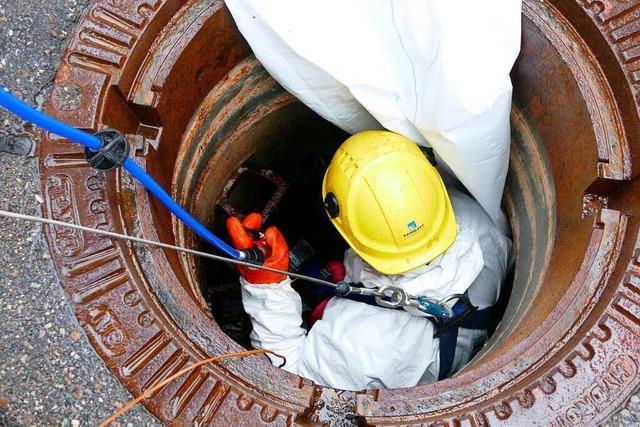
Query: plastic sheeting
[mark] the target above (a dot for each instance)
(436, 71)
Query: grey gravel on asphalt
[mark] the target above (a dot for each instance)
(49, 373)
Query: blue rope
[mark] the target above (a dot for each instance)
(27, 113)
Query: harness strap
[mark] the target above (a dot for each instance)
(465, 316)
(478, 319)
(447, 345)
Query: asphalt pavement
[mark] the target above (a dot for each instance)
(49, 373)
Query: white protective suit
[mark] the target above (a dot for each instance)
(435, 71)
(355, 345)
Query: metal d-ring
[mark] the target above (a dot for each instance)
(397, 298)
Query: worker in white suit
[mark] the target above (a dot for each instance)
(405, 229)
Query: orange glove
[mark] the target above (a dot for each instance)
(273, 244)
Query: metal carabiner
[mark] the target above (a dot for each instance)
(437, 309)
(395, 297)
(452, 297)
(392, 297)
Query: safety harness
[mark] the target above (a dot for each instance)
(447, 322)
(466, 316)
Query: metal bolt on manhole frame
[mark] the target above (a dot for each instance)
(178, 78)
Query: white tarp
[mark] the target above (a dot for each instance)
(436, 71)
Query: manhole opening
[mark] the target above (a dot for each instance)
(248, 121)
(299, 156)
(568, 88)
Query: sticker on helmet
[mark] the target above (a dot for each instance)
(412, 228)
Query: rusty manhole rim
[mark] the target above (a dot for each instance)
(104, 283)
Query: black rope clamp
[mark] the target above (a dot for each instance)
(343, 289)
(253, 256)
(113, 151)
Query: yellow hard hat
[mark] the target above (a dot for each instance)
(388, 202)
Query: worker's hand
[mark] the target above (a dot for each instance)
(273, 244)
(335, 270)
